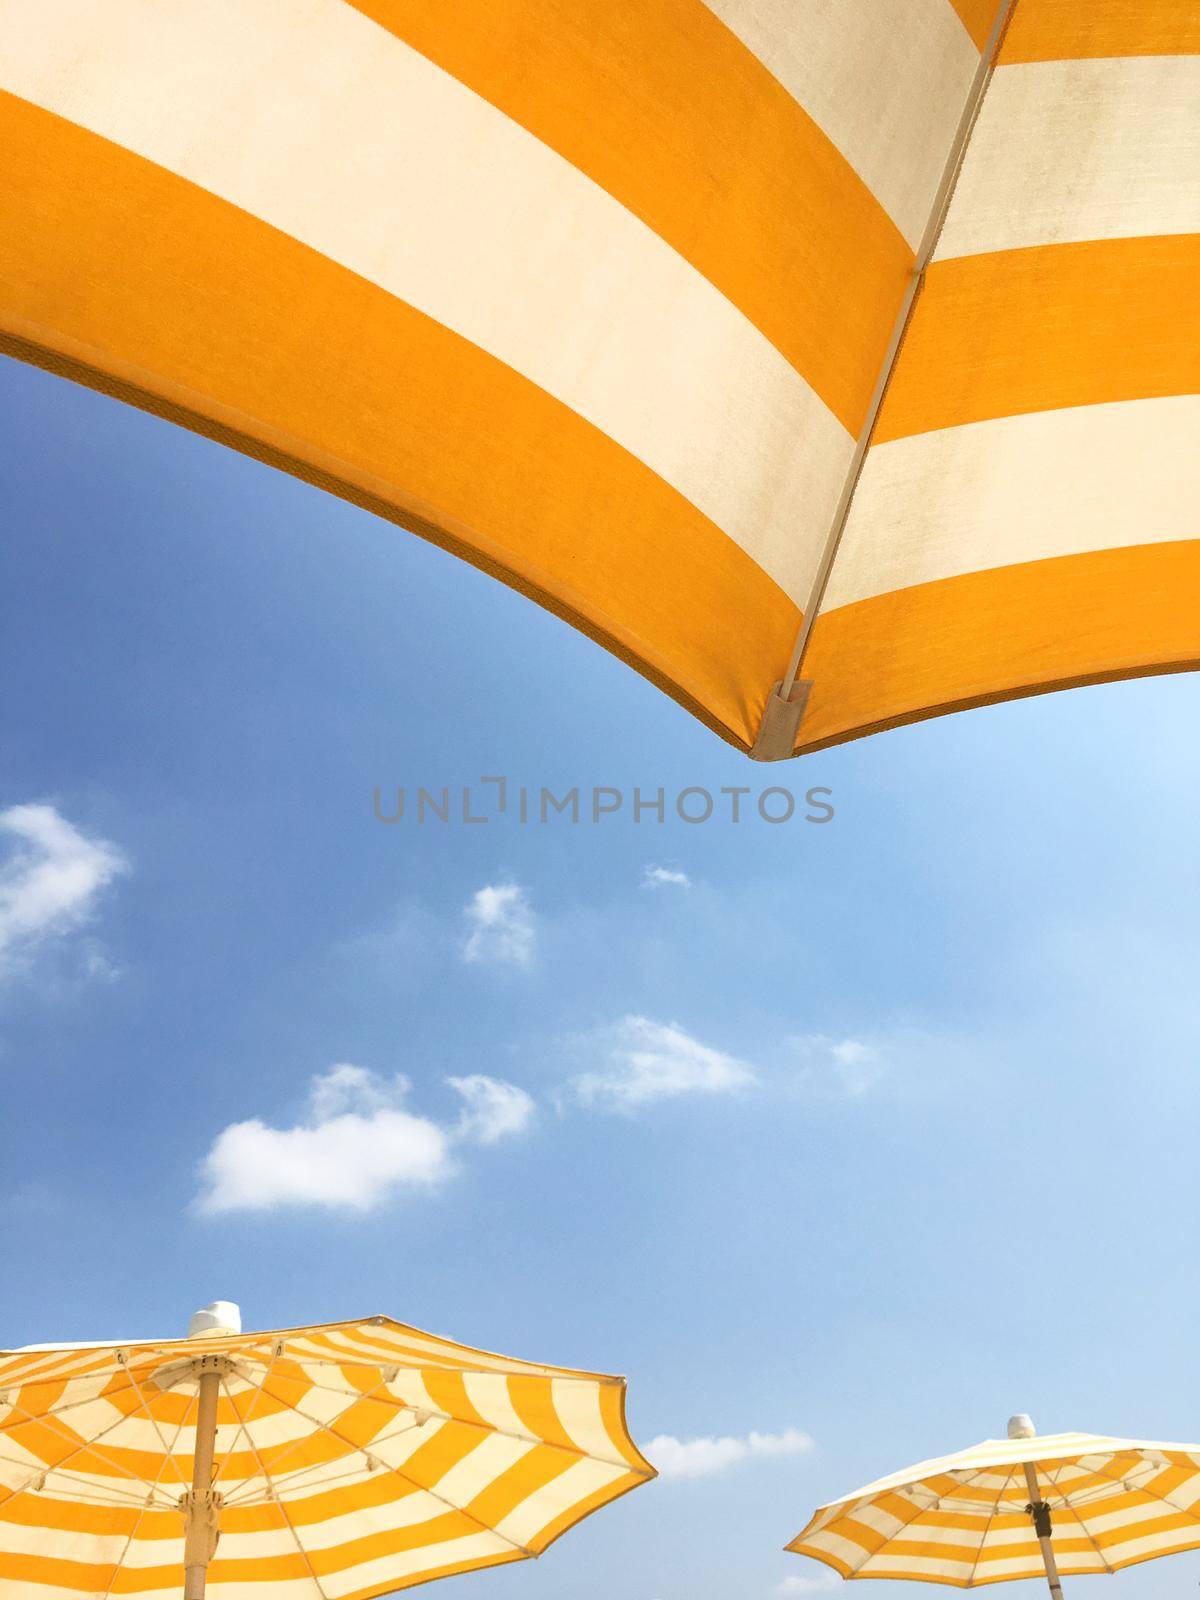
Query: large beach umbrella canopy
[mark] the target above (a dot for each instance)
(325, 1463)
(1021, 1507)
(841, 346)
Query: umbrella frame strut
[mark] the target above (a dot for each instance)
(201, 1504)
(1039, 1514)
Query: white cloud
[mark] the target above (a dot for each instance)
(859, 1066)
(700, 1458)
(50, 882)
(851, 1065)
(794, 1583)
(493, 1109)
(501, 926)
(661, 877)
(358, 1144)
(645, 1060)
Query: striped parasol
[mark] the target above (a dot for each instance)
(835, 364)
(324, 1463)
(1019, 1507)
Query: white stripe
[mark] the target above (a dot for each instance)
(880, 1521)
(489, 1394)
(467, 1478)
(314, 119)
(1069, 150)
(885, 83)
(409, 1511)
(1015, 1566)
(577, 1406)
(1184, 1496)
(844, 1549)
(1050, 483)
(1151, 1543)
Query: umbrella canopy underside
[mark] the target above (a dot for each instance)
(351, 1459)
(963, 1519)
(731, 331)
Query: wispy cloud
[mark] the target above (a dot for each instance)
(796, 1583)
(643, 1061)
(700, 1458)
(358, 1144)
(493, 1109)
(501, 927)
(50, 883)
(665, 877)
(851, 1066)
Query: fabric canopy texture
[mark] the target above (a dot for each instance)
(965, 1519)
(350, 1460)
(605, 297)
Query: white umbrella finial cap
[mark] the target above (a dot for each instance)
(1021, 1426)
(220, 1316)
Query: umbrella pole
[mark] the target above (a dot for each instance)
(202, 1504)
(1039, 1515)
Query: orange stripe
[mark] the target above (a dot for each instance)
(998, 635)
(666, 109)
(1058, 325)
(448, 1392)
(261, 1569)
(443, 1529)
(612, 1412)
(309, 1507)
(128, 278)
(977, 17)
(533, 1401)
(89, 1578)
(510, 1488)
(1069, 30)
(583, 1508)
(43, 1511)
(431, 1461)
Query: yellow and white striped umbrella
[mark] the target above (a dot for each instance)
(1019, 1507)
(325, 1463)
(847, 345)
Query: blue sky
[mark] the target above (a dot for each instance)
(861, 1137)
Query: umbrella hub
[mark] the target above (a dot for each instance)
(189, 1371)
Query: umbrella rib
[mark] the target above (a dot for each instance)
(71, 1405)
(170, 1455)
(465, 1422)
(423, 1488)
(1067, 1506)
(90, 1498)
(992, 1515)
(127, 1498)
(301, 1479)
(1160, 1499)
(262, 1467)
(314, 1422)
(243, 1422)
(917, 1512)
(412, 1366)
(88, 1444)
